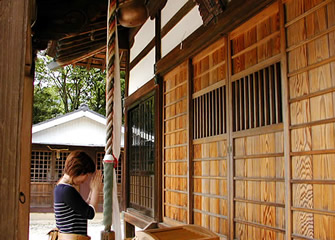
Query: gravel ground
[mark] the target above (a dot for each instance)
(42, 223)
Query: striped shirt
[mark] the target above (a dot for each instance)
(71, 211)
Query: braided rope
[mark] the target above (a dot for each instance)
(111, 52)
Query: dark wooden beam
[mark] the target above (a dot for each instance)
(125, 180)
(143, 53)
(155, 6)
(237, 12)
(136, 96)
(177, 17)
(78, 45)
(158, 125)
(81, 38)
(77, 55)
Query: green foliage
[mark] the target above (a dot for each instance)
(46, 104)
(65, 89)
(95, 94)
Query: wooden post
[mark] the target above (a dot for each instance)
(158, 127)
(190, 143)
(107, 235)
(286, 122)
(230, 159)
(15, 118)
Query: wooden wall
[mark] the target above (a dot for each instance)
(249, 134)
(310, 49)
(16, 84)
(210, 193)
(175, 145)
(257, 160)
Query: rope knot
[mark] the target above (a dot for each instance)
(110, 158)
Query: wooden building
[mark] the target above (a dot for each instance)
(244, 119)
(233, 100)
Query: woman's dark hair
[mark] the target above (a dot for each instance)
(78, 163)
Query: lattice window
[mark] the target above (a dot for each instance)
(60, 163)
(118, 169)
(100, 157)
(40, 166)
(210, 114)
(142, 155)
(257, 99)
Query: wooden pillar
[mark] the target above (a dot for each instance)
(107, 235)
(158, 124)
(15, 118)
(286, 122)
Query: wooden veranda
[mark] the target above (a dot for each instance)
(232, 128)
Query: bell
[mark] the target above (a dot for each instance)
(132, 13)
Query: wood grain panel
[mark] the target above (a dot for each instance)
(320, 78)
(256, 40)
(300, 112)
(301, 140)
(296, 33)
(209, 66)
(322, 107)
(323, 137)
(308, 31)
(175, 128)
(316, 22)
(259, 184)
(210, 185)
(304, 224)
(299, 85)
(259, 156)
(294, 9)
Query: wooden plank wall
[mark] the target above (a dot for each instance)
(210, 138)
(263, 147)
(310, 31)
(257, 131)
(175, 145)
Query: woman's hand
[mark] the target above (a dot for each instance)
(96, 187)
(96, 182)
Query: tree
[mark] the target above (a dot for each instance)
(95, 94)
(68, 81)
(63, 90)
(46, 104)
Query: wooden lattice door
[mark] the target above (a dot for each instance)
(141, 142)
(210, 138)
(258, 190)
(46, 169)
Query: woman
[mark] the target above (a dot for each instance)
(71, 210)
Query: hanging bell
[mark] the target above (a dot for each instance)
(132, 13)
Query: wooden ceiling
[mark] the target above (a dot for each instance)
(74, 32)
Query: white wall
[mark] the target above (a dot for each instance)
(142, 38)
(144, 70)
(80, 132)
(170, 9)
(191, 22)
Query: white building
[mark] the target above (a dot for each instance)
(53, 140)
